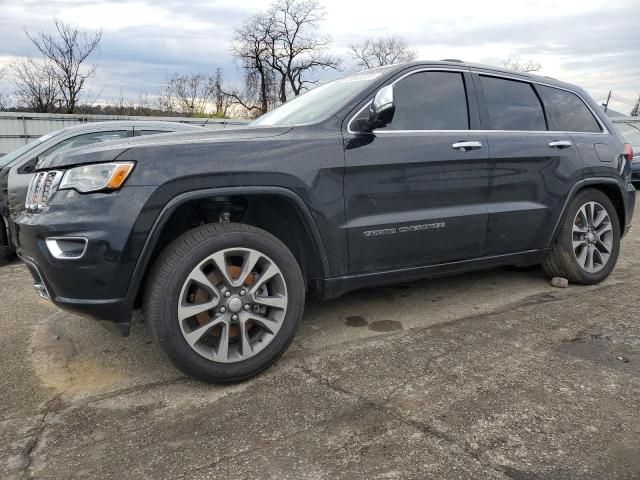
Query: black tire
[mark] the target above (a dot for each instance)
(172, 268)
(561, 261)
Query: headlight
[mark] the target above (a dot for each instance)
(100, 176)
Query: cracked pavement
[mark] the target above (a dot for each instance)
(487, 375)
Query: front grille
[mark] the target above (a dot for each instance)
(42, 187)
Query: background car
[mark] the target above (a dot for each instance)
(16, 168)
(630, 130)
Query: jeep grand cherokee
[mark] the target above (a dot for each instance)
(389, 175)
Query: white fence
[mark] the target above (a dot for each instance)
(17, 129)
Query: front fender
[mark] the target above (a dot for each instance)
(144, 258)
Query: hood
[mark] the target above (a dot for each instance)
(109, 151)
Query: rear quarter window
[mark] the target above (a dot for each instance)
(567, 112)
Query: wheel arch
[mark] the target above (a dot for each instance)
(303, 237)
(609, 186)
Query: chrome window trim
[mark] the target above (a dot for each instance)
(604, 131)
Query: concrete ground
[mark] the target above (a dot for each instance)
(488, 375)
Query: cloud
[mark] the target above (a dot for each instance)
(588, 42)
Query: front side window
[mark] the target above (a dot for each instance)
(567, 112)
(430, 101)
(512, 105)
(84, 139)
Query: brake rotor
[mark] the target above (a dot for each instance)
(202, 296)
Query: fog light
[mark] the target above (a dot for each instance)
(67, 248)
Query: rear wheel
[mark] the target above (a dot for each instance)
(588, 243)
(224, 301)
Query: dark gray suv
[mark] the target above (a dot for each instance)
(389, 175)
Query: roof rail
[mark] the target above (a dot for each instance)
(455, 60)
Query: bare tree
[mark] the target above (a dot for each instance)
(36, 85)
(635, 111)
(222, 101)
(3, 100)
(513, 62)
(190, 93)
(250, 51)
(295, 48)
(278, 50)
(381, 51)
(67, 50)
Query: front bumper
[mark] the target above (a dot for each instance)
(97, 284)
(114, 314)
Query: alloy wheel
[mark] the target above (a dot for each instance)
(232, 305)
(592, 237)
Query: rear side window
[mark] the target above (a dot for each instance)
(512, 105)
(567, 112)
(430, 101)
(139, 133)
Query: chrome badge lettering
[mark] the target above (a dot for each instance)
(405, 229)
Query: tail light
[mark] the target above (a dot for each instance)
(628, 152)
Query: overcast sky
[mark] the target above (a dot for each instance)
(595, 44)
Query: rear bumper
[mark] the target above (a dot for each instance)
(6, 246)
(631, 204)
(6, 252)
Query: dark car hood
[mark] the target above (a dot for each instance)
(109, 151)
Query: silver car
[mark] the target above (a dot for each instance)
(16, 168)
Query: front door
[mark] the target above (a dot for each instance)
(416, 190)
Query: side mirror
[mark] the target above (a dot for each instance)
(381, 111)
(29, 167)
(382, 108)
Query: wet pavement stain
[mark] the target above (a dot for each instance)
(356, 321)
(385, 326)
(620, 353)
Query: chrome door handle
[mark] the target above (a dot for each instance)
(466, 146)
(560, 144)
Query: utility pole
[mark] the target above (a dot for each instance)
(635, 111)
(606, 104)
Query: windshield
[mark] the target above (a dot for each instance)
(320, 102)
(11, 156)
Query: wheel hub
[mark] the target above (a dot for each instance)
(591, 238)
(234, 304)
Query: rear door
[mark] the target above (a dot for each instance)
(416, 190)
(532, 169)
(567, 112)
